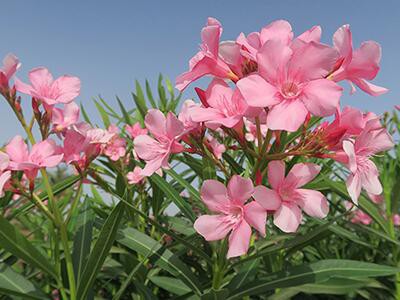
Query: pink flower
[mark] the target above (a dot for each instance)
(5, 174)
(135, 130)
(291, 83)
(62, 90)
(44, 154)
(233, 217)
(63, 118)
(135, 176)
(115, 149)
(217, 148)
(186, 118)
(360, 217)
(396, 220)
(10, 66)
(226, 107)
(359, 65)
(251, 129)
(356, 156)
(156, 151)
(288, 198)
(209, 59)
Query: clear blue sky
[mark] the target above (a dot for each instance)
(108, 44)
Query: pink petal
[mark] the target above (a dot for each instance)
(215, 196)
(4, 177)
(22, 87)
(370, 179)
(312, 202)
(155, 122)
(311, 35)
(17, 149)
(153, 165)
(256, 216)
(365, 61)
(257, 92)
(348, 148)
(321, 97)
(210, 35)
(342, 40)
(267, 198)
(288, 217)
(239, 240)
(201, 114)
(369, 88)
(68, 88)
(53, 161)
(301, 174)
(312, 61)
(40, 78)
(147, 148)
(174, 127)
(272, 59)
(276, 173)
(240, 189)
(279, 30)
(353, 185)
(212, 227)
(288, 115)
(4, 161)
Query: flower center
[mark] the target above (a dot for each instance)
(290, 90)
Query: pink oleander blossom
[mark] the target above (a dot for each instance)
(233, 216)
(135, 130)
(209, 60)
(64, 118)
(45, 154)
(356, 156)
(115, 149)
(5, 174)
(226, 107)
(135, 177)
(10, 66)
(291, 82)
(357, 66)
(287, 197)
(185, 117)
(396, 219)
(217, 148)
(156, 151)
(43, 87)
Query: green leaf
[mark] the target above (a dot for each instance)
(172, 285)
(164, 258)
(12, 283)
(192, 191)
(124, 112)
(172, 194)
(85, 115)
(314, 273)
(209, 171)
(100, 250)
(83, 238)
(103, 114)
(150, 95)
(140, 100)
(14, 242)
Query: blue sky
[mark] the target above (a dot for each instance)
(109, 44)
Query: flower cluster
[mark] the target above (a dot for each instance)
(264, 105)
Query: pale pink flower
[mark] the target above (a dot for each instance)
(396, 220)
(115, 149)
(217, 148)
(5, 174)
(45, 154)
(278, 30)
(135, 176)
(360, 217)
(356, 156)
(251, 128)
(186, 118)
(357, 66)
(208, 60)
(63, 118)
(10, 66)
(233, 217)
(156, 151)
(43, 87)
(291, 83)
(135, 130)
(99, 136)
(287, 197)
(225, 106)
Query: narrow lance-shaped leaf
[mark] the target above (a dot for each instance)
(100, 250)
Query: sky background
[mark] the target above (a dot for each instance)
(109, 44)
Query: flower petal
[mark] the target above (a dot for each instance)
(257, 92)
(240, 189)
(239, 240)
(312, 202)
(276, 173)
(288, 217)
(212, 227)
(215, 196)
(301, 174)
(267, 198)
(256, 216)
(287, 115)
